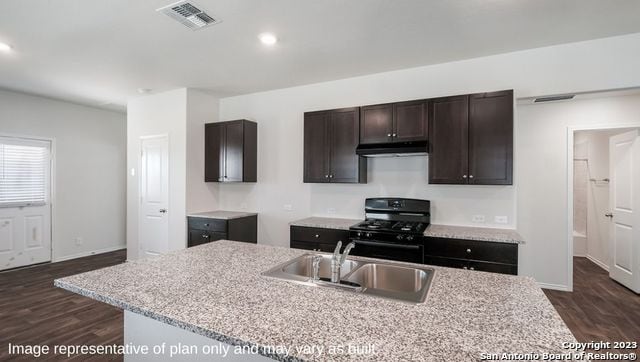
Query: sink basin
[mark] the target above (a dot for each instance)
(367, 276)
(303, 266)
(393, 281)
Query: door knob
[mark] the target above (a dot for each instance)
(609, 215)
(163, 211)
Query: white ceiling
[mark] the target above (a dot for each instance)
(100, 52)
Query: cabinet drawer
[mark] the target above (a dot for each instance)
(198, 237)
(202, 223)
(472, 250)
(472, 265)
(319, 235)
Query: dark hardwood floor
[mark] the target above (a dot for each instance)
(33, 311)
(598, 309)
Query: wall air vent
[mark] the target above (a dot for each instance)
(188, 14)
(554, 98)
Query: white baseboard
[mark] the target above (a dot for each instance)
(559, 287)
(598, 263)
(88, 253)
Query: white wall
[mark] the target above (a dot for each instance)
(586, 66)
(90, 146)
(543, 175)
(180, 114)
(201, 108)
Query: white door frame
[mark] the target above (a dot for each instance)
(141, 139)
(569, 180)
(52, 182)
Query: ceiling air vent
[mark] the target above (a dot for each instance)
(554, 98)
(188, 14)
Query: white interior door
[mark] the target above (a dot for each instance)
(153, 234)
(624, 229)
(25, 209)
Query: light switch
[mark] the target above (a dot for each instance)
(501, 219)
(478, 218)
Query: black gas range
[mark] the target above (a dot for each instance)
(393, 229)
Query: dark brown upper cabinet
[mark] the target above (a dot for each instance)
(471, 139)
(394, 122)
(330, 141)
(448, 147)
(231, 151)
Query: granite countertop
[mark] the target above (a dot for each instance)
(326, 222)
(222, 214)
(217, 290)
(474, 233)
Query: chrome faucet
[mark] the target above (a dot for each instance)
(337, 260)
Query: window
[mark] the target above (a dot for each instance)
(24, 172)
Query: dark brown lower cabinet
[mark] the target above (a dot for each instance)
(473, 255)
(205, 230)
(317, 239)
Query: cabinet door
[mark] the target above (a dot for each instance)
(316, 147)
(448, 146)
(410, 121)
(214, 152)
(234, 143)
(491, 138)
(344, 164)
(376, 124)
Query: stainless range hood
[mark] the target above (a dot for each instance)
(400, 149)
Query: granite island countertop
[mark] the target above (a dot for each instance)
(222, 214)
(474, 233)
(326, 222)
(217, 290)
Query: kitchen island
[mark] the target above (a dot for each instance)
(216, 291)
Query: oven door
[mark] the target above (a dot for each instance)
(411, 253)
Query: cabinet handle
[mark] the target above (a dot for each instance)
(388, 134)
(317, 236)
(468, 251)
(464, 176)
(326, 176)
(207, 225)
(470, 176)
(465, 268)
(394, 135)
(471, 268)
(205, 236)
(330, 176)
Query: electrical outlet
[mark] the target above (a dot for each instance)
(288, 207)
(331, 210)
(478, 218)
(79, 240)
(501, 219)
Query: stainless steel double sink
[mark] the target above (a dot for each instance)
(374, 277)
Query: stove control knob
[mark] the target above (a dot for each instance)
(409, 238)
(368, 235)
(400, 237)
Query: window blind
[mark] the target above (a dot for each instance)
(24, 172)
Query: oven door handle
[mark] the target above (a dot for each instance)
(387, 245)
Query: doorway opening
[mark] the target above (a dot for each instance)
(602, 186)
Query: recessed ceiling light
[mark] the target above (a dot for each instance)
(5, 47)
(268, 38)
